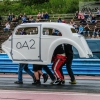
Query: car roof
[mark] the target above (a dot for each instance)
(47, 24)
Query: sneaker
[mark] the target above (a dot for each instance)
(59, 82)
(17, 82)
(73, 82)
(45, 77)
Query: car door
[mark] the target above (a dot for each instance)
(26, 44)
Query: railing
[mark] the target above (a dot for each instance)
(79, 66)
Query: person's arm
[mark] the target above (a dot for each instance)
(89, 28)
(97, 30)
(84, 26)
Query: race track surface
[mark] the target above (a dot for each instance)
(87, 87)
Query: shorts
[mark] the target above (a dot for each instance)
(37, 67)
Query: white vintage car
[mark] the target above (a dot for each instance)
(33, 43)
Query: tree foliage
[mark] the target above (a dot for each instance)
(7, 2)
(27, 2)
(32, 2)
(34, 6)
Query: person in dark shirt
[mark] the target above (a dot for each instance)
(93, 20)
(46, 15)
(20, 16)
(69, 55)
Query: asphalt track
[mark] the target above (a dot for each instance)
(87, 87)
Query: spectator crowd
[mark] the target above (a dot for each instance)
(86, 19)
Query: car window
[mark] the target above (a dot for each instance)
(27, 31)
(51, 32)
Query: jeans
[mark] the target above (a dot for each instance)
(20, 71)
(6, 29)
(80, 32)
(95, 33)
(93, 21)
(86, 32)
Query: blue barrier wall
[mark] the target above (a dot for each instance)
(79, 66)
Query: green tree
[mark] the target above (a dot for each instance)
(40, 1)
(27, 2)
(7, 2)
(32, 2)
